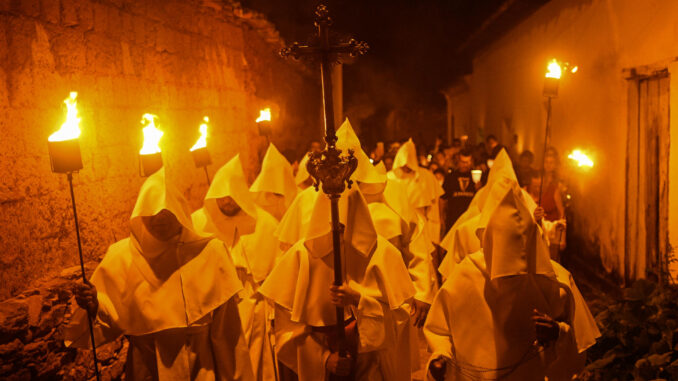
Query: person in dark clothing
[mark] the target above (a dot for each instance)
(459, 189)
(524, 168)
(493, 146)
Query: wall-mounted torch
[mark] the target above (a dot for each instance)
(64, 155)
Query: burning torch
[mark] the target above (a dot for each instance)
(64, 155)
(201, 156)
(150, 156)
(264, 123)
(551, 82)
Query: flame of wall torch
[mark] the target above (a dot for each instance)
(554, 70)
(152, 135)
(264, 115)
(71, 127)
(202, 140)
(580, 158)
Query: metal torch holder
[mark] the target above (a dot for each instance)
(149, 164)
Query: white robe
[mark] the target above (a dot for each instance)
(180, 328)
(481, 319)
(173, 299)
(248, 238)
(299, 286)
(477, 323)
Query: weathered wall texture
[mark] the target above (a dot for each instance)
(32, 341)
(603, 37)
(178, 59)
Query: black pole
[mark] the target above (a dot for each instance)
(84, 277)
(331, 139)
(207, 174)
(546, 142)
(337, 230)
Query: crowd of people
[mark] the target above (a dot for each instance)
(455, 243)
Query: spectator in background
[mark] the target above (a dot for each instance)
(388, 160)
(450, 156)
(554, 228)
(524, 168)
(551, 198)
(492, 146)
(440, 175)
(480, 157)
(438, 145)
(459, 189)
(439, 159)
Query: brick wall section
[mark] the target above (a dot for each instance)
(180, 59)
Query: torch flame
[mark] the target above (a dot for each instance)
(580, 158)
(554, 70)
(71, 127)
(264, 115)
(152, 135)
(574, 69)
(202, 140)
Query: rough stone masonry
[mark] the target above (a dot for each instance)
(179, 59)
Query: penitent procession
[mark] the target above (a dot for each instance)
(337, 265)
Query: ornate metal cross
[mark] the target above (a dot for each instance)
(329, 168)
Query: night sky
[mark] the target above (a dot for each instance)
(414, 45)
(413, 42)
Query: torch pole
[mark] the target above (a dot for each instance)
(207, 174)
(84, 276)
(546, 142)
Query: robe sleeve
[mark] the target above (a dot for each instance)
(437, 332)
(420, 265)
(562, 358)
(384, 289)
(231, 354)
(76, 332)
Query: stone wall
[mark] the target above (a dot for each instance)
(31, 336)
(180, 59)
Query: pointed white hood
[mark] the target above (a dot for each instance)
(461, 239)
(512, 241)
(155, 195)
(276, 176)
(228, 181)
(371, 180)
(406, 157)
(302, 172)
(360, 234)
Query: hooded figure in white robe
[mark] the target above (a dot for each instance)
(421, 194)
(300, 284)
(247, 234)
(396, 229)
(302, 178)
(487, 317)
(294, 223)
(274, 188)
(423, 189)
(461, 240)
(173, 296)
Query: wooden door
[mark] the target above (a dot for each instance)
(647, 176)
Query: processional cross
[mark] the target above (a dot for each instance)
(329, 168)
